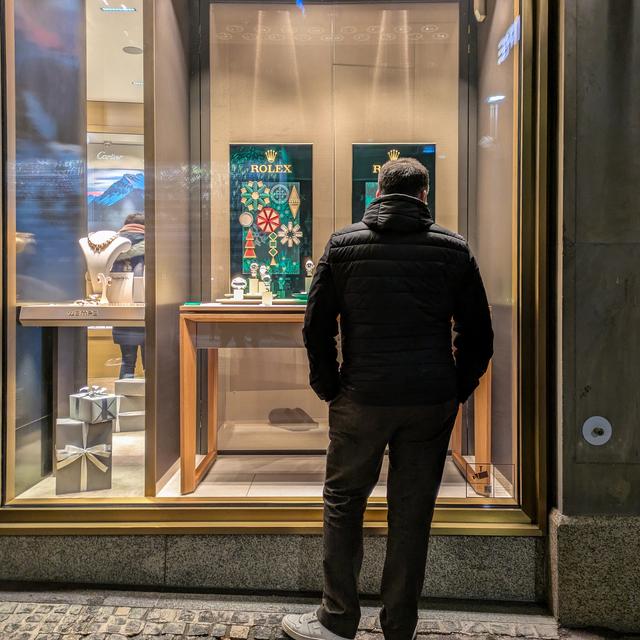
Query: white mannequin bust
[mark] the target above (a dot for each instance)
(101, 249)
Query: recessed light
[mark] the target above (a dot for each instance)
(494, 99)
(135, 51)
(137, 83)
(120, 9)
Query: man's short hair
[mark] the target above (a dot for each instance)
(404, 175)
(134, 218)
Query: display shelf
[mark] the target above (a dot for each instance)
(80, 315)
(223, 308)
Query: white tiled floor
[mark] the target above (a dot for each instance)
(233, 476)
(265, 476)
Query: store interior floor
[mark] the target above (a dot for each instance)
(287, 475)
(238, 475)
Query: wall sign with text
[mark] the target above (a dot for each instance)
(367, 160)
(271, 210)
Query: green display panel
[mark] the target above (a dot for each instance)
(271, 211)
(367, 160)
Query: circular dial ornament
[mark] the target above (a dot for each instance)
(268, 220)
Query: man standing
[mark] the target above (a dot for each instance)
(396, 281)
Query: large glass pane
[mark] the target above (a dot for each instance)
(310, 100)
(77, 408)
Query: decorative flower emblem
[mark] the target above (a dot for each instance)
(268, 220)
(290, 234)
(255, 195)
(279, 193)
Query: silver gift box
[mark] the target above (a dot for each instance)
(131, 421)
(130, 387)
(93, 408)
(83, 456)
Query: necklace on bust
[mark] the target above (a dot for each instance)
(99, 247)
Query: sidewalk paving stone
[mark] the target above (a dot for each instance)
(129, 615)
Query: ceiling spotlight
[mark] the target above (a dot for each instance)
(495, 99)
(137, 83)
(121, 9)
(134, 51)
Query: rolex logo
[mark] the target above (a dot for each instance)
(393, 154)
(270, 167)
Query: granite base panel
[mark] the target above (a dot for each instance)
(595, 571)
(465, 567)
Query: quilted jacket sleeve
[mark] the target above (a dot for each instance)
(473, 340)
(320, 331)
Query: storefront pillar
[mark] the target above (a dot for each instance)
(595, 529)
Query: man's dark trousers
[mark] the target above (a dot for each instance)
(418, 439)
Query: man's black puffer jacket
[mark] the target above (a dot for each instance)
(396, 280)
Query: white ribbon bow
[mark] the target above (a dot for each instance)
(71, 453)
(94, 391)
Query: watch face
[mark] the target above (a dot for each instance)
(271, 215)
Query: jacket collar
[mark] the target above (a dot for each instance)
(397, 212)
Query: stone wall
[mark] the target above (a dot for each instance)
(594, 534)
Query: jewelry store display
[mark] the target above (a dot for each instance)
(98, 245)
(309, 266)
(105, 281)
(253, 280)
(108, 246)
(238, 284)
(267, 296)
(262, 271)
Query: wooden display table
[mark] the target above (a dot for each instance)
(477, 472)
(211, 327)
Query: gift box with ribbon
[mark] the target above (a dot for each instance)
(83, 456)
(93, 405)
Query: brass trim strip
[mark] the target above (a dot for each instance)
(272, 527)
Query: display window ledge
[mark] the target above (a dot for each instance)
(147, 516)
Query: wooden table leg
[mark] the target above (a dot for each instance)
(477, 473)
(482, 434)
(188, 405)
(212, 402)
(212, 417)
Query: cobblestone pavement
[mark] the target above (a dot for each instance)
(119, 615)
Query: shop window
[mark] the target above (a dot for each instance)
(77, 408)
(307, 101)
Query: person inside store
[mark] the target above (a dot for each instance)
(393, 283)
(129, 339)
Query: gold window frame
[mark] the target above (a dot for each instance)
(294, 515)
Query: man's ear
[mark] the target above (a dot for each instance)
(378, 193)
(424, 194)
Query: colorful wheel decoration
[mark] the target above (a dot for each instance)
(273, 247)
(255, 195)
(290, 234)
(268, 220)
(245, 219)
(279, 193)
